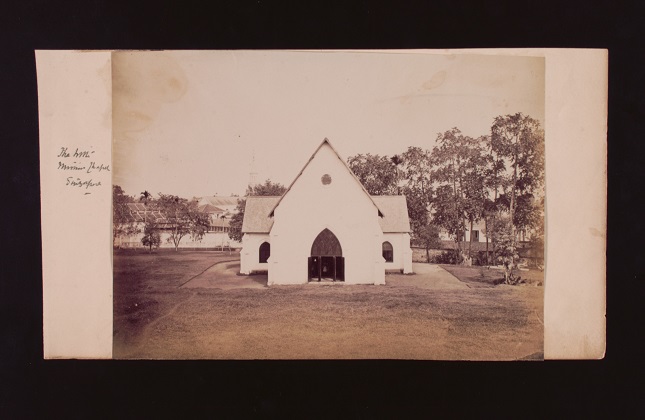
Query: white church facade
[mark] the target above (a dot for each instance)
(326, 227)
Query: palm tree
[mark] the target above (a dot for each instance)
(145, 196)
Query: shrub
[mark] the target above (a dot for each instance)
(446, 257)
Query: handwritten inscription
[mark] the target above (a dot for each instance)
(81, 162)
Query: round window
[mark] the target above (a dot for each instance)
(326, 179)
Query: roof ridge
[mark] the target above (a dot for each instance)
(263, 196)
(326, 140)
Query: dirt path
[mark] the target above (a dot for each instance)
(426, 276)
(224, 276)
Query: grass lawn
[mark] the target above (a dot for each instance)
(490, 277)
(154, 318)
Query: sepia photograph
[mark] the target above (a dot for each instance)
(327, 205)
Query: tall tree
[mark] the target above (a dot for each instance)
(520, 140)
(407, 173)
(267, 189)
(449, 159)
(123, 224)
(496, 181)
(473, 183)
(181, 217)
(416, 183)
(378, 174)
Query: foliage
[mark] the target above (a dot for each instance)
(428, 237)
(145, 197)
(448, 159)
(378, 174)
(507, 254)
(235, 224)
(182, 217)
(407, 173)
(123, 224)
(519, 140)
(446, 257)
(151, 237)
(267, 189)
(416, 181)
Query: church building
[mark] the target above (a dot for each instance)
(326, 227)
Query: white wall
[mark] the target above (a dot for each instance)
(402, 253)
(210, 240)
(250, 254)
(342, 207)
(476, 226)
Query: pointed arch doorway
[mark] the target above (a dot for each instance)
(326, 262)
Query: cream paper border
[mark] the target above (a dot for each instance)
(75, 111)
(74, 90)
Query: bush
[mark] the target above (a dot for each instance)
(480, 258)
(446, 257)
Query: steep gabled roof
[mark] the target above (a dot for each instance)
(380, 213)
(396, 218)
(256, 214)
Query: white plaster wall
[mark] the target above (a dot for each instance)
(210, 240)
(402, 252)
(476, 226)
(250, 253)
(342, 207)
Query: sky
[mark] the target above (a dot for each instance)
(195, 123)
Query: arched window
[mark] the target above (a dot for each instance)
(265, 252)
(388, 252)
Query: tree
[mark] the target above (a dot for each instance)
(473, 183)
(181, 217)
(145, 197)
(151, 237)
(496, 182)
(506, 247)
(378, 174)
(428, 237)
(449, 158)
(267, 189)
(408, 173)
(123, 224)
(416, 183)
(520, 141)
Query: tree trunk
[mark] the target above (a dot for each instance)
(427, 255)
(512, 210)
(470, 243)
(492, 231)
(486, 229)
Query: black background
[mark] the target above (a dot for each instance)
(32, 387)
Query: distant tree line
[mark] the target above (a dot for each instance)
(497, 178)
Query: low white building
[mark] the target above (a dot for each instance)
(326, 227)
(478, 233)
(216, 237)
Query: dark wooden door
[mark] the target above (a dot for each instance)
(340, 268)
(326, 255)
